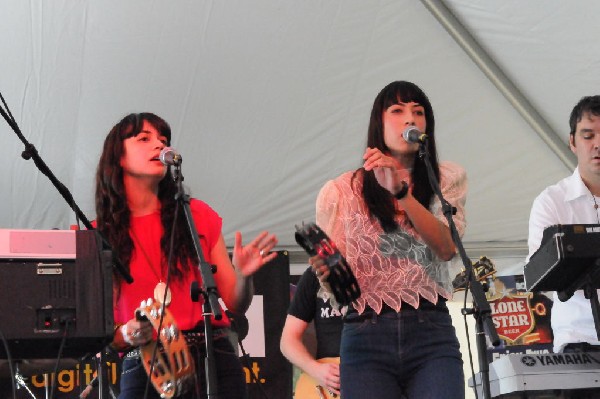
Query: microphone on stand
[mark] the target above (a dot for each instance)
(414, 135)
(169, 156)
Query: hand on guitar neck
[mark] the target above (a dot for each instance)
(325, 386)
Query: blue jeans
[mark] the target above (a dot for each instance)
(411, 354)
(231, 380)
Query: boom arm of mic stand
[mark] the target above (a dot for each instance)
(482, 311)
(31, 152)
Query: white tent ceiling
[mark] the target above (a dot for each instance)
(269, 99)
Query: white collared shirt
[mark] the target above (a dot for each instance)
(567, 202)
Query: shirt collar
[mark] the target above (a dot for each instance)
(576, 187)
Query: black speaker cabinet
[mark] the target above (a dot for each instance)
(45, 302)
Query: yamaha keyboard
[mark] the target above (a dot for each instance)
(539, 375)
(567, 253)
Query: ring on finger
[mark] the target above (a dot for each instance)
(261, 252)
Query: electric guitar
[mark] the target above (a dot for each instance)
(308, 388)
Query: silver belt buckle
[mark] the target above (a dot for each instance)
(133, 354)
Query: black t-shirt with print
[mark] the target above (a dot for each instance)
(327, 321)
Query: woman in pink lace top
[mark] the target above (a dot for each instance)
(398, 337)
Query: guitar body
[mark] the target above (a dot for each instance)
(308, 388)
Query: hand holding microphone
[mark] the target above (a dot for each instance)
(388, 171)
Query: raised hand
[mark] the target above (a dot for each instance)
(251, 257)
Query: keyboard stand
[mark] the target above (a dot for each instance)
(588, 281)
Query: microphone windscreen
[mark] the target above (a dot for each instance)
(412, 134)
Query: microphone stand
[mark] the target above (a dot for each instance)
(31, 152)
(481, 308)
(209, 290)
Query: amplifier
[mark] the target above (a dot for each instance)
(56, 287)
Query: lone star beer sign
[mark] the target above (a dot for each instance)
(512, 316)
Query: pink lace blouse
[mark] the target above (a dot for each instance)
(389, 267)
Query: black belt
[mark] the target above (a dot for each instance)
(192, 337)
(352, 315)
(197, 337)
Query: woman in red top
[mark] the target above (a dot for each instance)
(135, 205)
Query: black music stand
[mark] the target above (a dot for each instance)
(588, 281)
(567, 261)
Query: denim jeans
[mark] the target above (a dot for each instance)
(231, 380)
(411, 354)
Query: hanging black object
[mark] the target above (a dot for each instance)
(341, 279)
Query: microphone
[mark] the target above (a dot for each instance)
(169, 156)
(414, 135)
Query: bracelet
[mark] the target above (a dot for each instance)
(403, 191)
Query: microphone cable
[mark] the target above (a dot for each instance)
(13, 381)
(59, 356)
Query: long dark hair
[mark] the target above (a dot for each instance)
(379, 201)
(112, 212)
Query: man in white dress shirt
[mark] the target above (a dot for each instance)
(573, 200)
